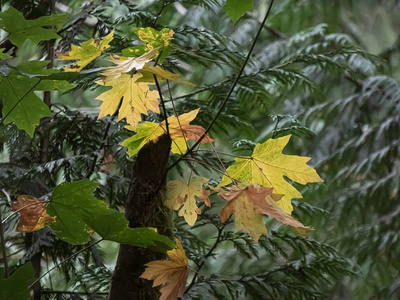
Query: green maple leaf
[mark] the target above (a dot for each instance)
(17, 285)
(236, 9)
(20, 29)
(78, 213)
(20, 104)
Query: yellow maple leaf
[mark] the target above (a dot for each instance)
(268, 165)
(249, 204)
(88, 51)
(137, 99)
(181, 195)
(127, 64)
(173, 273)
(179, 128)
(33, 213)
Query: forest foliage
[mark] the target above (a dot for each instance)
(316, 89)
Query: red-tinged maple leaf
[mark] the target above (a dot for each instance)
(173, 273)
(249, 204)
(33, 213)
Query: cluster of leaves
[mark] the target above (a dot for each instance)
(289, 72)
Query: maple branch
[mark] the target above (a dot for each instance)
(65, 260)
(209, 253)
(230, 91)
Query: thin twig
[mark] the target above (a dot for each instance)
(230, 91)
(200, 91)
(103, 143)
(210, 252)
(3, 245)
(205, 164)
(19, 100)
(72, 293)
(65, 260)
(223, 153)
(159, 13)
(22, 208)
(162, 104)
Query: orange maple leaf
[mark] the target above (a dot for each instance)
(249, 204)
(33, 216)
(180, 131)
(173, 273)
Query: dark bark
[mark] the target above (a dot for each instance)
(144, 208)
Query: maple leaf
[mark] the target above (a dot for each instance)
(181, 195)
(173, 273)
(179, 128)
(33, 216)
(148, 73)
(137, 99)
(88, 51)
(235, 9)
(268, 165)
(127, 64)
(21, 29)
(249, 204)
(156, 39)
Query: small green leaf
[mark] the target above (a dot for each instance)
(20, 29)
(115, 227)
(4, 55)
(236, 9)
(146, 132)
(20, 104)
(54, 85)
(35, 68)
(155, 39)
(17, 285)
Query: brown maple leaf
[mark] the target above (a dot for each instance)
(249, 204)
(33, 213)
(173, 273)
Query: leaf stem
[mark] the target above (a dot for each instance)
(230, 91)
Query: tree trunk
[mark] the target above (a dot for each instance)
(144, 208)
